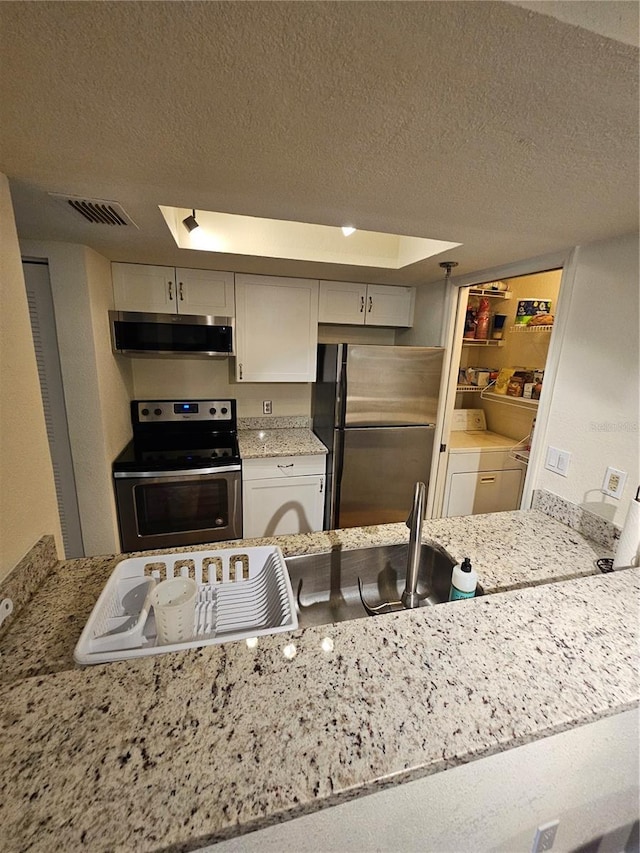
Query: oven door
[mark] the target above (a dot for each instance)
(175, 508)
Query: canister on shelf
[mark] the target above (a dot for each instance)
(498, 326)
(482, 320)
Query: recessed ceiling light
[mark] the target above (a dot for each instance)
(348, 230)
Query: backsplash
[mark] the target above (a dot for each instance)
(25, 578)
(585, 522)
(270, 422)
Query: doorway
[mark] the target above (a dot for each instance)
(45, 341)
(498, 359)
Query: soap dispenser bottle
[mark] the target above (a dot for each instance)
(463, 581)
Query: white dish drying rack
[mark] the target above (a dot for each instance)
(242, 593)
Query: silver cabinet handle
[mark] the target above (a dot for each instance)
(181, 295)
(370, 304)
(362, 304)
(290, 465)
(170, 291)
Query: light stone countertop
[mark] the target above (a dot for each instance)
(176, 751)
(260, 443)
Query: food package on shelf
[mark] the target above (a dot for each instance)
(518, 381)
(504, 375)
(541, 320)
(529, 308)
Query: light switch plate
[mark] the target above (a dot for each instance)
(558, 461)
(552, 459)
(564, 457)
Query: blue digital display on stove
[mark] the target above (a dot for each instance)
(185, 408)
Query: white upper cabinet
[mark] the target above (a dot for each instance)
(389, 306)
(365, 304)
(205, 292)
(142, 287)
(342, 302)
(165, 290)
(276, 329)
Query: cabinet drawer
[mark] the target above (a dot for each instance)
(283, 466)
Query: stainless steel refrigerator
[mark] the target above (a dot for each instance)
(375, 408)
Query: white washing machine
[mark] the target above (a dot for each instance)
(482, 473)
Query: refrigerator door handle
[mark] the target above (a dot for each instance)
(341, 401)
(337, 479)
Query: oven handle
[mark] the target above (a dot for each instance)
(195, 472)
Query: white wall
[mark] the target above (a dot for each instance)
(594, 409)
(587, 778)
(429, 318)
(97, 386)
(206, 378)
(28, 505)
(159, 378)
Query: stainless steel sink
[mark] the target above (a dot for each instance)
(326, 585)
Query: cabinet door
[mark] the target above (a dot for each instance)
(142, 287)
(205, 292)
(280, 506)
(276, 329)
(342, 302)
(485, 491)
(389, 306)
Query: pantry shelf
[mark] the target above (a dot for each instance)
(521, 402)
(470, 342)
(494, 294)
(523, 328)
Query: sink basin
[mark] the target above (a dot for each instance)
(326, 585)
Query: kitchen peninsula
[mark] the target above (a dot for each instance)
(180, 750)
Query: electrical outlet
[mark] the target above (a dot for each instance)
(545, 836)
(266, 407)
(613, 484)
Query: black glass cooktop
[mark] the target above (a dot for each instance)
(178, 453)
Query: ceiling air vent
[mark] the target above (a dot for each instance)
(98, 211)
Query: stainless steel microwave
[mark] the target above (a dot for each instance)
(171, 335)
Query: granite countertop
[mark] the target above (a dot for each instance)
(259, 443)
(179, 750)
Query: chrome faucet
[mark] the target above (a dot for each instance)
(410, 596)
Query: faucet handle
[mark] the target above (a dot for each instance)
(419, 494)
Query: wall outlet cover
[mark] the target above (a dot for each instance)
(613, 484)
(545, 836)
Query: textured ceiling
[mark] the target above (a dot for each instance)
(485, 123)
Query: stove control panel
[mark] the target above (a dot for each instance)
(172, 411)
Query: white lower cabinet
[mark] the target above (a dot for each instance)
(282, 495)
